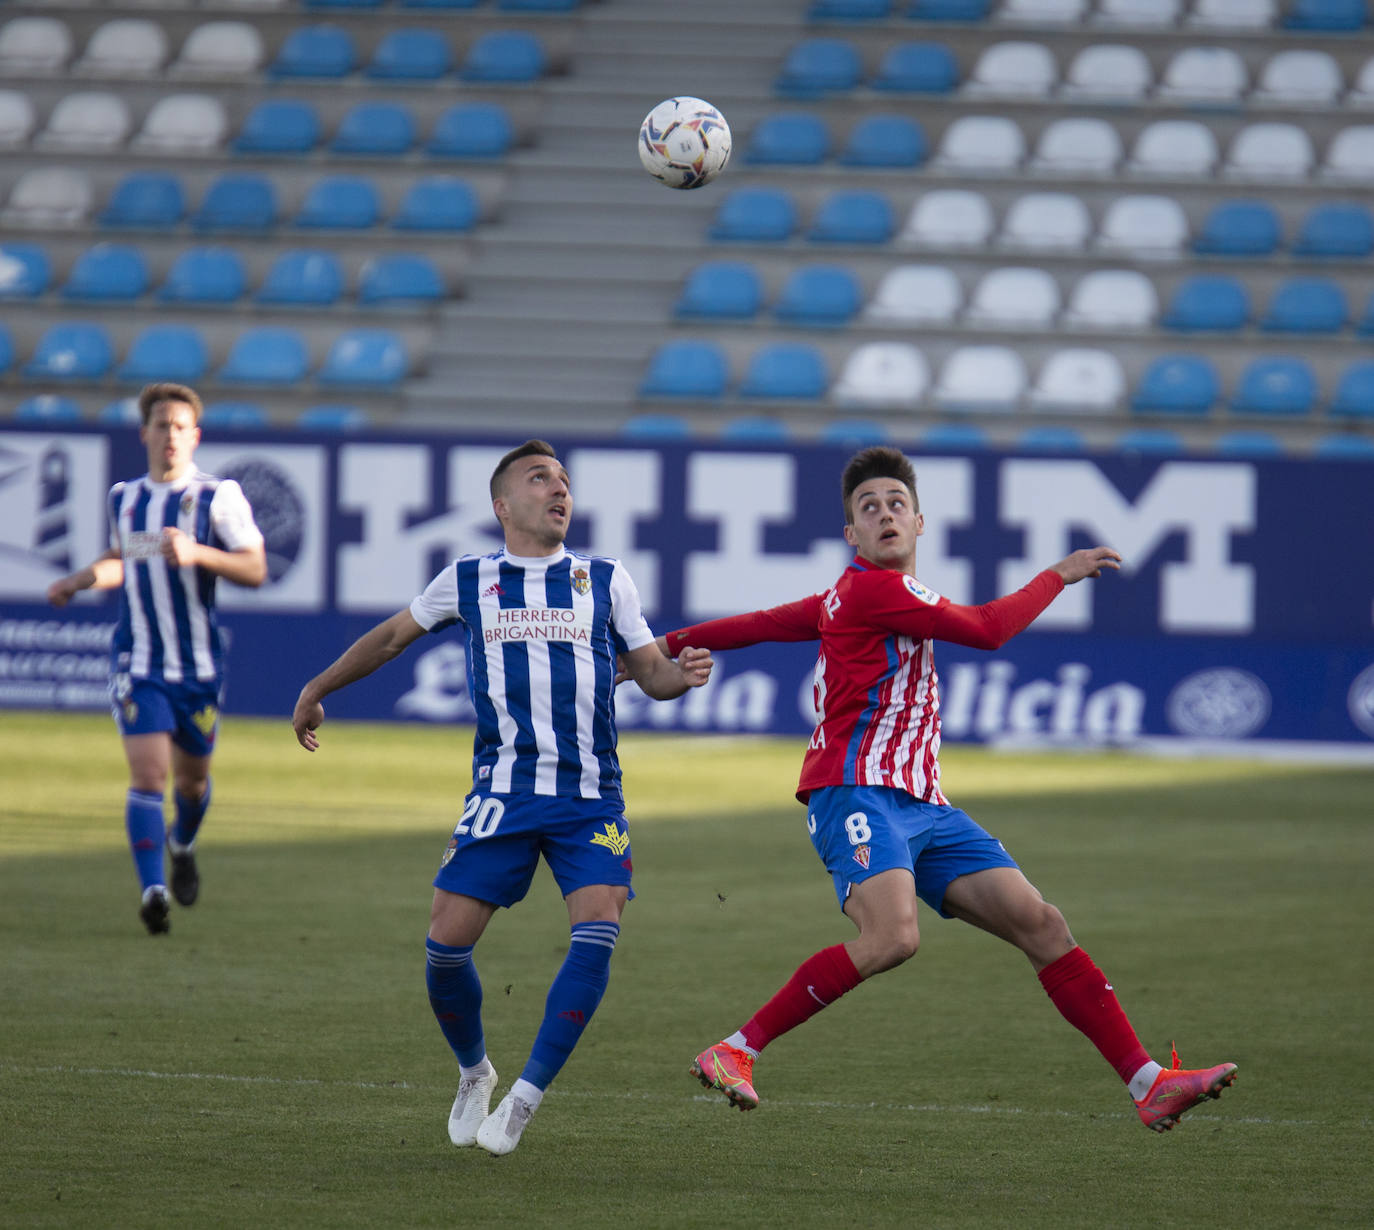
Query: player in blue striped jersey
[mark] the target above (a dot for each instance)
(173, 534)
(543, 628)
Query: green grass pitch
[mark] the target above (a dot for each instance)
(273, 1062)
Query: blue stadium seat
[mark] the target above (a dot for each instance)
(1208, 302)
(315, 51)
(825, 296)
(340, 202)
(1354, 397)
(1240, 228)
(1307, 305)
(6, 350)
(885, 141)
(538, 6)
(949, 10)
(755, 215)
(955, 436)
(819, 66)
(721, 290)
(1177, 384)
(279, 126)
(122, 412)
(441, 4)
(853, 217)
(1048, 438)
(1365, 325)
(237, 201)
(1341, 228)
(333, 418)
(365, 358)
(755, 429)
(849, 10)
(234, 416)
(686, 368)
(303, 276)
(205, 275)
(854, 433)
(1278, 384)
(1345, 447)
(375, 129)
(505, 55)
(107, 272)
(471, 130)
(145, 198)
(72, 350)
(656, 427)
(411, 53)
(400, 279)
(1249, 444)
(438, 203)
(791, 370)
(166, 352)
(1158, 441)
(25, 270)
(266, 354)
(917, 68)
(1325, 15)
(344, 4)
(789, 139)
(49, 409)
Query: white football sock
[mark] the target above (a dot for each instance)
(1142, 1080)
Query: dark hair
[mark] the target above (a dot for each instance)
(530, 448)
(877, 462)
(153, 395)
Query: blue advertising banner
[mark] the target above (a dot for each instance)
(1244, 610)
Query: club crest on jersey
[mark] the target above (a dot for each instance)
(130, 712)
(861, 856)
(581, 581)
(919, 591)
(613, 839)
(188, 502)
(450, 851)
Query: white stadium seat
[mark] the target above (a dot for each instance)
(1350, 156)
(17, 119)
(917, 294)
(1299, 77)
(89, 120)
(1232, 14)
(948, 218)
(220, 48)
(124, 47)
(1079, 378)
(1174, 148)
(1136, 12)
(883, 374)
(981, 378)
(1046, 221)
(975, 144)
(1077, 145)
(1108, 72)
(1362, 92)
(1014, 298)
(1143, 225)
(1266, 152)
(34, 46)
(1204, 74)
(1122, 299)
(49, 196)
(1041, 12)
(184, 123)
(1012, 70)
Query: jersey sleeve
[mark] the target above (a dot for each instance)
(112, 516)
(899, 603)
(439, 602)
(627, 611)
(232, 518)
(793, 621)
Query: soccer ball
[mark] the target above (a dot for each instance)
(684, 142)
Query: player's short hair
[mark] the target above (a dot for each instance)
(153, 395)
(530, 448)
(880, 461)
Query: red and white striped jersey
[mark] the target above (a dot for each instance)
(877, 694)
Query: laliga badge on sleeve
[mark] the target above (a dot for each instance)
(920, 592)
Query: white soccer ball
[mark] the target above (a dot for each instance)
(684, 142)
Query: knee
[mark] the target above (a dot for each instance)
(1047, 935)
(888, 948)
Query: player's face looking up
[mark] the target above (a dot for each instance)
(884, 524)
(171, 437)
(534, 505)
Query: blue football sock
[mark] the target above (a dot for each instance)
(455, 994)
(143, 821)
(574, 996)
(189, 815)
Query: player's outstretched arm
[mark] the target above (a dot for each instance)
(661, 677)
(1087, 563)
(365, 655)
(107, 572)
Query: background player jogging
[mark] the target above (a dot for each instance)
(875, 811)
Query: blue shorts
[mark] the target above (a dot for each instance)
(189, 712)
(859, 831)
(496, 845)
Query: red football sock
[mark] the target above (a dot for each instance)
(820, 980)
(1086, 1000)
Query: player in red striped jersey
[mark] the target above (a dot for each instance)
(871, 785)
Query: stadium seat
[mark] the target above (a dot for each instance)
(411, 53)
(320, 51)
(816, 67)
(400, 279)
(1270, 152)
(656, 427)
(1122, 299)
(1144, 226)
(1338, 229)
(755, 215)
(882, 374)
(853, 217)
(89, 121)
(333, 418)
(1154, 441)
(536, 6)
(122, 412)
(25, 270)
(1208, 302)
(1354, 396)
(1048, 438)
(438, 203)
(949, 218)
(49, 196)
(916, 294)
(183, 124)
(1079, 378)
(124, 47)
(1041, 12)
(1327, 15)
(6, 350)
(205, 275)
(1077, 145)
(279, 126)
(917, 68)
(685, 368)
(234, 416)
(1248, 444)
(237, 201)
(220, 49)
(1204, 74)
(166, 352)
(366, 358)
(1299, 77)
(107, 272)
(820, 296)
(981, 378)
(1350, 156)
(1012, 69)
(853, 434)
(266, 354)
(884, 141)
(1172, 149)
(981, 144)
(505, 55)
(1108, 72)
(1232, 14)
(1361, 94)
(1140, 13)
(954, 437)
(1177, 384)
(374, 129)
(340, 202)
(303, 276)
(1014, 298)
(848, 10)
(17, 119)
(471, 130)
(949, 10)
(755, 429)
(1240, 228)
(145, 199)
(71, 350)
(791, 371)
(1280, 385)
(721, 290)
(47, 409)
(1345, 446)
(34, 46)
(789, 139)
(1307, 305)
(1046, 221)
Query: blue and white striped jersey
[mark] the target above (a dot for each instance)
(167, 628)
(542, 638)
